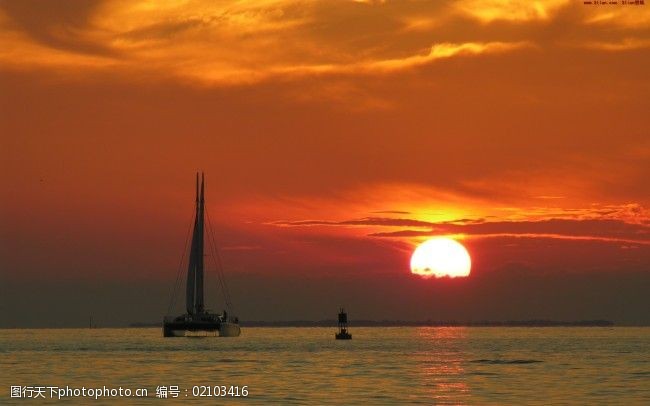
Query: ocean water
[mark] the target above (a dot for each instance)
(409, 365)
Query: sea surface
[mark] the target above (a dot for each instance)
(396, 365)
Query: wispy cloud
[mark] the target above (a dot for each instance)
(435, 52)
(599, 227)
(625, 44)
(444, 50)
(19, 52)
(625, 17)
(602, 230)
(508, 10)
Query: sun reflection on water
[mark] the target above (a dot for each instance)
(440, 364)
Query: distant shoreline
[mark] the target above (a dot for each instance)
(427, 323)
(376, 323)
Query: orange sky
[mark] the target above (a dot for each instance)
(334, 139)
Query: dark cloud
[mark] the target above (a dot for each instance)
(374, 221)
(595, 228)
(60, 25)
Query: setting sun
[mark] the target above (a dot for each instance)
(441, 257)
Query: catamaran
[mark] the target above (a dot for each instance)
(197, 320)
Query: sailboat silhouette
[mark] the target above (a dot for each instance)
(197, 318)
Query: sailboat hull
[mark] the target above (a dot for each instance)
(183, 328)
(228, 329)
(200, 329)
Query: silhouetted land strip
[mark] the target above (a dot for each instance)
(425, 323)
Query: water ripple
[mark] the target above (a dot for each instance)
(505, 361)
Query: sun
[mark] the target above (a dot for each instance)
(441, 257)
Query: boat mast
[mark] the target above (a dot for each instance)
(194, 288)
(199, 305)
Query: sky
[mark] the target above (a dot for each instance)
(334, 139)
